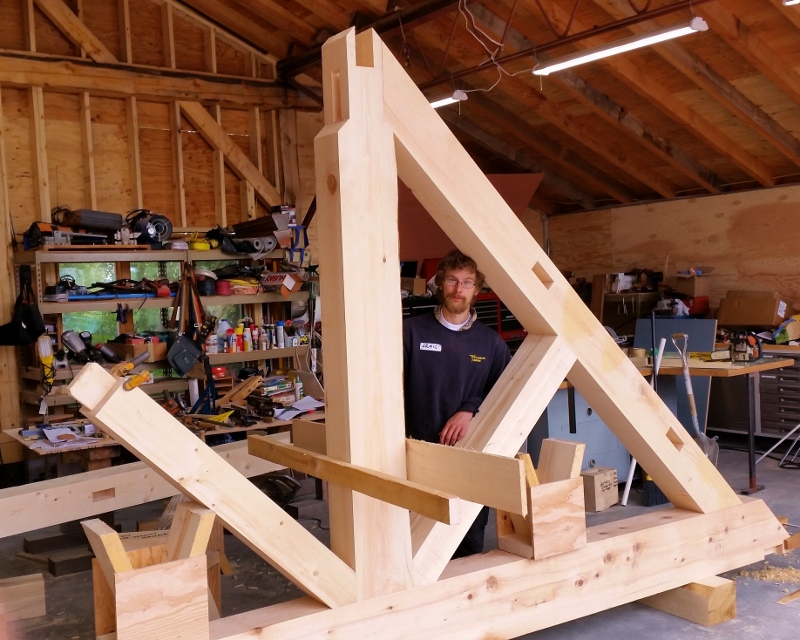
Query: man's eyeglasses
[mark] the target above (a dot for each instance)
(465, 284)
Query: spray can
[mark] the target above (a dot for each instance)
(280, 336)
(298, 388)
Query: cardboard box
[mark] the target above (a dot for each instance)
(415, 286)
(690, 285)
(752, 309)
(600, 488)
(158, 350)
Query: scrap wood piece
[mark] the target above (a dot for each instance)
(484, 478)
(707, 602)
(560, 460)
(241, 391)
(431, 503)
(195, 469)
(531, 477)
(792, 596)
(108, 549)
(792, 542)
(22, 597)
(190, 531)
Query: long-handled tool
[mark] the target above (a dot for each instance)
(653, 383)
(708, 445)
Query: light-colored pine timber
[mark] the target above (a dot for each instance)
(190, 531)
(147, 430)
(531, 286)
(462, 472)
(560, 460)
(531, 478)
(108, 549)
(165, 601)
(309, 435)
(495, 595)
(356, 180)
(178, 174)
(558, 517)
(236, 158)
(87, 146)
(105, 618)
(415, 497)
(41, 178)
(134, 156)
(84, 495)
(707, 602)
(22, 597)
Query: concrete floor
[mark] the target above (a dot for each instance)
(255, 584)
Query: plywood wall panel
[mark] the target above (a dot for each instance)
(199, 180)
(189, 45)
(746, 237)
(230, 60)
(236, 122)
(64, 151)
(11, 35)
(308, 125)
(156, 164)
(233, 197)
(48, 37)
(153, 115)
(110, 135)
(16, 117)
(146, 30)
(102, 19)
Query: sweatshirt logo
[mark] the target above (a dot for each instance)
(429, 346)
(474, 358)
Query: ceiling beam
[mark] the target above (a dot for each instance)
(73, 75)
(791, 14)
(610, 111)
(520, 158)
(415, 14)
(273, 13)
(753, 49)
(717, 86)
(643, 83)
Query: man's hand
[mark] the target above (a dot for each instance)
(455, 428)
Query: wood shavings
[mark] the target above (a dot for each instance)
(774, 574)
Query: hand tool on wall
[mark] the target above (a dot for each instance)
(123, 368)
(708, 445)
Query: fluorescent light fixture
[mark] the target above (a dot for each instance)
(789, 3)
(458, 96)
(621, 46)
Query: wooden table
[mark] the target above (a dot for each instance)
(94, 455)
(744, 369)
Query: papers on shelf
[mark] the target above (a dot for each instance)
(304, 405)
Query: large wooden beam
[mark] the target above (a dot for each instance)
(416, 497)
(235, 157)
(160, 85)
(51, 502)
(497, 595)
(356, 180)
(147, 430)
(542, 300)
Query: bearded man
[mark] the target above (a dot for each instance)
(451, 361)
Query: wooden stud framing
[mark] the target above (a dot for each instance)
(210, 48)
(289, 164)
(134, 155)
(218, 161)
(126, 45)
(70, 24)
(87, 146)
(29, 25)
(168, 33)
(178, 175)
(41, 178)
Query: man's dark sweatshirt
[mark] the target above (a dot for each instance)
(447, 371)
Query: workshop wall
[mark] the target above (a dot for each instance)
(749, 238)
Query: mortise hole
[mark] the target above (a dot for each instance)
(336, 97)
(105, 494)
(675, 439)
(540, 273)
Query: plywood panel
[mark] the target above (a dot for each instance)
(102, 19)
(236, 122)
(189, 45)
(230, 61)
(110, 134)
(64, 151)
(49, 39)
(11, 26)
(233, 197)
(199, 180)
(308, 125)
(153, 115)
(16, 116)
(156, 153)
(726, 232)
(148, 45)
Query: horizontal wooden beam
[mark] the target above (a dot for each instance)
(455, 470)
(409, 495)
(146, 429)
(73, 75)
(623, 562)
(51, 502)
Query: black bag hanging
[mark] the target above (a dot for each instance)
(26, 324)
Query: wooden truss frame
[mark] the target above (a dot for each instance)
(388, 575)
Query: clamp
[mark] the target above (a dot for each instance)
(296, 236)
(131, 382)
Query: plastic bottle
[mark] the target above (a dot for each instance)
(223, 327)
(280, 336)
(247, 339)
(298, 388)
(263, 345)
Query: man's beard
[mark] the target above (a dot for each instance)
(456, 307)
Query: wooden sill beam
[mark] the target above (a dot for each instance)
(118, 80)
(409, 495)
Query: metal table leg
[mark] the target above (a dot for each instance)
(753, 486)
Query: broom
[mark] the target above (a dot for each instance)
(653, 496)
